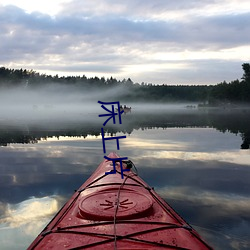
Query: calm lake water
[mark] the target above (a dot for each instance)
(197, 160)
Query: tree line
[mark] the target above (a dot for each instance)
(236, 91)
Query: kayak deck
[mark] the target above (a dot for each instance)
(113, 213)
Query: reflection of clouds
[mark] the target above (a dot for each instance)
(227, 201)
(2, 209)
(57, 157)
(226, 240)
(148, 144)
(186, 139)
(203, 144)
(236, 156)
(29, 212)
(37, 170)
(72, 139)
(25, 220)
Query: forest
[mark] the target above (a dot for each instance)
(224, 93)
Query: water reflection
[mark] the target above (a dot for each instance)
(29, 210)
(192, 160)
(234, 121)
(19, 222)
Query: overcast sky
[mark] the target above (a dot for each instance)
(154, 41)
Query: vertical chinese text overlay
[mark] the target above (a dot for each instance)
(111, 115)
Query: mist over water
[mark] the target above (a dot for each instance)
(60, 102)
(50, 103)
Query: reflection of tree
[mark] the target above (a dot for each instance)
(234, 121)
(16, 137)
(246, 141)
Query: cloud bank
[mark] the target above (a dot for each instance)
(158, 41)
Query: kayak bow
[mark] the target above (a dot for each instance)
(113, 213)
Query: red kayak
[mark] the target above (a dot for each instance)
(111, 212)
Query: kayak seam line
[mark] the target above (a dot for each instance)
(140, 183)
(108, 184)
(97, 179)
(120, 222)
(124, 236)
(128, 237)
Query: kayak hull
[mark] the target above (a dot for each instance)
(112, 212)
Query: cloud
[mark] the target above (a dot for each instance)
(115, 38)
(115, 30)
(144, 10)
